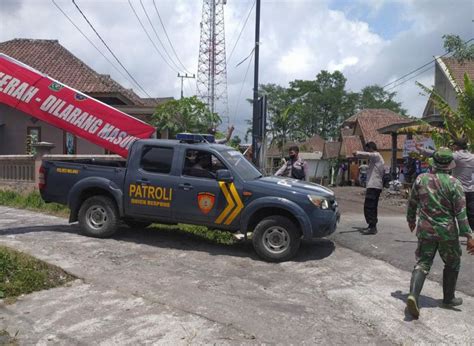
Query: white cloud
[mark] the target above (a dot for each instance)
(298, 40)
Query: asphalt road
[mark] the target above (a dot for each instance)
(394, 243)
(146, 286)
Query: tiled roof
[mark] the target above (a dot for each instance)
(311, 145)
(331, 150)
(457, 70)
(370, 120)
(347, 131)
(51, 58)
(350, 144)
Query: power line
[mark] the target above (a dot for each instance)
(108, 48)
(242, 86)
(167, 37)
(241, 31)
(419, 68)
(158, 37)
(149, 37)
(409, 79)
(92, 43)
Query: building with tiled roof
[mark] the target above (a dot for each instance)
(331, 150)
(51, 58)
(448, 79)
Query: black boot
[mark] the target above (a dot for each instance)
(369, 230)
(450, 277)
(416, 284)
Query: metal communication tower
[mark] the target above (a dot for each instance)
(212, 70)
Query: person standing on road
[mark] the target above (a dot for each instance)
(374, 185)
(295, 167)
(439, 200)
(464, 171)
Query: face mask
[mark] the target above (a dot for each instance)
(292, 157)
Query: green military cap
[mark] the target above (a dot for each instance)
(443, 159)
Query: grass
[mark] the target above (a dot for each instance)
(22, 274)
(211, 235)
(31, 201)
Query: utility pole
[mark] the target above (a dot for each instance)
(256, 137)
(182, 78)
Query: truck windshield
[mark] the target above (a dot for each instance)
(239, 163)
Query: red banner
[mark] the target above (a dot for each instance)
(30, 91)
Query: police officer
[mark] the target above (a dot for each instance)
(439, 200)
(374, 185)
(295, 167)
(464, 171)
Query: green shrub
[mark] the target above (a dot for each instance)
(32, 201)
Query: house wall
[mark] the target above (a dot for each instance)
(444, 87)
(322, 167)
(387, 156)
(13, 134)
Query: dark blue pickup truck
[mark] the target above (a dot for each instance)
(169, 181)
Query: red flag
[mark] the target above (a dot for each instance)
(28, 90)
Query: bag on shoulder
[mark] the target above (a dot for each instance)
(298, 173)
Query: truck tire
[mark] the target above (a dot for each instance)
(137, 224)
(98, 217)
(276, 239)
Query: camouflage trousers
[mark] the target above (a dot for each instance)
(449, 251)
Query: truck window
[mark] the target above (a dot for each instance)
(201, 164)
(157, 159)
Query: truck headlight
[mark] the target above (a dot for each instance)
(319, 201)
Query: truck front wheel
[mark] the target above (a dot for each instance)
(98, 217)
(276, 239)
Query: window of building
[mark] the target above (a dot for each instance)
(69, 143)
(201, 164)
(33, 136)
(157, 159)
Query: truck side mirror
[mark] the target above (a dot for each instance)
(224, 175)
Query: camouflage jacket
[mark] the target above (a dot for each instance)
(440, 202)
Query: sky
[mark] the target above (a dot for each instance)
(369, 41)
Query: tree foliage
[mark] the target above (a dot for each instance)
(188, 114)
(461, 50)
(374, 96)
(458, 123)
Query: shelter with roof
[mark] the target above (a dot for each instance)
(51, 58)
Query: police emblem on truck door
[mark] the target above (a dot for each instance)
(206, 201)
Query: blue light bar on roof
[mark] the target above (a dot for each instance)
(195, 138)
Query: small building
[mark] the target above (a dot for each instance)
(18, 130)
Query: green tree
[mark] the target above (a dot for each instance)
(322, 104)
(374, 96)
(461, 50)
(188, 114)
(235, 141)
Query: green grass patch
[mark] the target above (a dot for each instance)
(7, 340)
(22, 274)
(211, 235)
(32, 201)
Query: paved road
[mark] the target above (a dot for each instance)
(394, 243)
(153, 287)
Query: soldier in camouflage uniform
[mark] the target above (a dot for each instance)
(439, 200)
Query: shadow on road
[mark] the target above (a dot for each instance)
(175, 238)
(424, 303)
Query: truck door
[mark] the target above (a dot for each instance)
(149, 186)
(199, 197)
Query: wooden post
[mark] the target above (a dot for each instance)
(394, 155)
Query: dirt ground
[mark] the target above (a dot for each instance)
(351, 200)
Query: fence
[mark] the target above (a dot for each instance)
(25, 168)
(17, 168)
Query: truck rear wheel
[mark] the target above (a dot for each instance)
(98, 217)
(276, 239)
